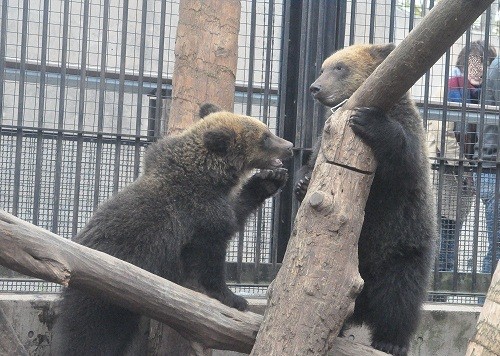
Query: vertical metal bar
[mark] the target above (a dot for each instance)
(353, 23)
(440, 168)
(285, 105)
(496, 212)
(81, 110)
(20, 109)
(340, 25)
(161, 49)
(248, 112)
(373, 13)
(267, 85)
(60, 124)
(100, 111)
(479, 129)
(392, 21)
(121, 90)
(320, 55)
(495, 217)
(411, 20)
(142, 54)
(41, 111)
(251, 57)
(463, 124)
(3, 41)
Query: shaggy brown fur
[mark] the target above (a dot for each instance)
(175, 221)
(399, 231)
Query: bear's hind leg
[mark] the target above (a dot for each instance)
(392, 301)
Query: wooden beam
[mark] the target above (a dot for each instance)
(36, 252)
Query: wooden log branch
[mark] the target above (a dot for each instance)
(318, 282)
(486, 341)
(39, 253)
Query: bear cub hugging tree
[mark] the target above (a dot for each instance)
(399, 230)
(175, 221)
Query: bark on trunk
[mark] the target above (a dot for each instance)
(206, 54)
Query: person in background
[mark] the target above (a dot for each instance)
(451, 184)
(488, 154)
(459, 89)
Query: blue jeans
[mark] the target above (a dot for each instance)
(487, 194)
(447, 245)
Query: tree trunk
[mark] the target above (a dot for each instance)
(318, 282)
(486, 341)
(206, 54)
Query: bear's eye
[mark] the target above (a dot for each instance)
(339, 67)
(265, 139)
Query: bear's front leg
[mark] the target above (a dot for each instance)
(259, 187)
(203, 266)
(384, 135)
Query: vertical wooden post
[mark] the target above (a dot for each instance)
(206, 54)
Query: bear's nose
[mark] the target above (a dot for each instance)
(315, 88)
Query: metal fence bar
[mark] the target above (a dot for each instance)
(353, 23)
(123, 57)
(60, 121)
(286, 109)
(11, 130)
(100, 110)
(265, 109)
(373, 7)
(91, 75)
(3, 41)
(20, 109)
(142, 56)
(248, 112)
(411, 21)
(496, 213)
(161, 49)
(440, 165)
(81, 113)
(463, 125)
(41, 112)
(392, 21)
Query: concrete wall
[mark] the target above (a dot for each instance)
(445, 328)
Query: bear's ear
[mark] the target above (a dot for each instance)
(207, 109)
(382, 51)
(219, 140)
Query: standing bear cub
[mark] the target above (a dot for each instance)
(399, 230)
(175, 221)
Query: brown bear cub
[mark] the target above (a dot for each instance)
(175, 221)
(399, 230)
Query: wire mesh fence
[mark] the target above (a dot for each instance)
(85, 88)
